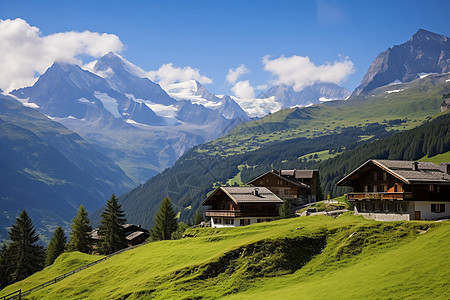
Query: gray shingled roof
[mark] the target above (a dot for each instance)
(298, 174)
(288, 175)
(244, 194)
(426, 172)
(134, 235)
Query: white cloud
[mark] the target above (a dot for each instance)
(25, 51)
(168, 74)
(234, 74)
(262, 87)
(299, 71)
(243, 90)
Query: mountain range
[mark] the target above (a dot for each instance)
(110, 128)
(424, 53)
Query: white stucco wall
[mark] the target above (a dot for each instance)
(425, 210)
(380, 216)
(237, 222)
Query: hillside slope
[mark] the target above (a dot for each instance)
(347, 257)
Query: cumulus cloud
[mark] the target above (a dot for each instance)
(299, 72)
(234, 74)
(25, 51)
(243, 90)
(168, 74)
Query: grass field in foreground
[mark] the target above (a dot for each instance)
(302, 258)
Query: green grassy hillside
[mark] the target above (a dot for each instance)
(310, 257)
(411, 103)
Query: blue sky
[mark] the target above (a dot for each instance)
(216, 36)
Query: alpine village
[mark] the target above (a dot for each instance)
(105, 195)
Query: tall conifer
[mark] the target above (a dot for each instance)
(80, 239)
(56, 246)
(27, 257)
(111, 231)
(165, 221)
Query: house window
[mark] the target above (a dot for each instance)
(229, 221)
(431, 188)
(438, 208)
(385, 207)
(259, 220)
(366, 189)
(438, 188)
(377, 206)
(268, 220)
(374, 188)
(217, 221)
(363, 206)
(244, 222)
(384, 188)
(384, 176)
(261, 182)
(401, 207)
(375, 176)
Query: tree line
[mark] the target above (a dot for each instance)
(23, 256)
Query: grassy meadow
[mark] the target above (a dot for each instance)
(302, 258)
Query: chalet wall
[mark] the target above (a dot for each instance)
(387, 216)
(237, 221)
(425, 210)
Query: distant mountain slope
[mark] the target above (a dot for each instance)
(49, 170)
(314, 94)
(130, 119)
(426, 52)
(193, 91)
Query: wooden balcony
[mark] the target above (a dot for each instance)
(379, 196)
(239, 213)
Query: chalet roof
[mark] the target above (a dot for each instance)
(292, 176)
(425, 173)
(242, 195)
(134, 235)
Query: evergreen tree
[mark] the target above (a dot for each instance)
(284, 210)
(198, 217)
(26, 256)
(181, 228)
(56, 246)
(80, 239)
(111, 229)
(5, 267)
(165, 221)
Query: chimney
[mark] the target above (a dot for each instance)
(445, 167)
(415, 166)
(255, 192)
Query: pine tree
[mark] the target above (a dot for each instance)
(284, 210)
(165, 221)
(27, 257)
(56, 246)
(111, 229)
(80, 239)
(198, 217)
(5, 267)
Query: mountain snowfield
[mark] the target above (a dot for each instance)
(142, 126)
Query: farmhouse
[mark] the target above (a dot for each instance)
(299, 186)
(400, 190)
(240, 206)
(134, 234)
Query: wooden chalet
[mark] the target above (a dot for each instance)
(240, 206)
(134, 234)
(299, 186)
(400, 190)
